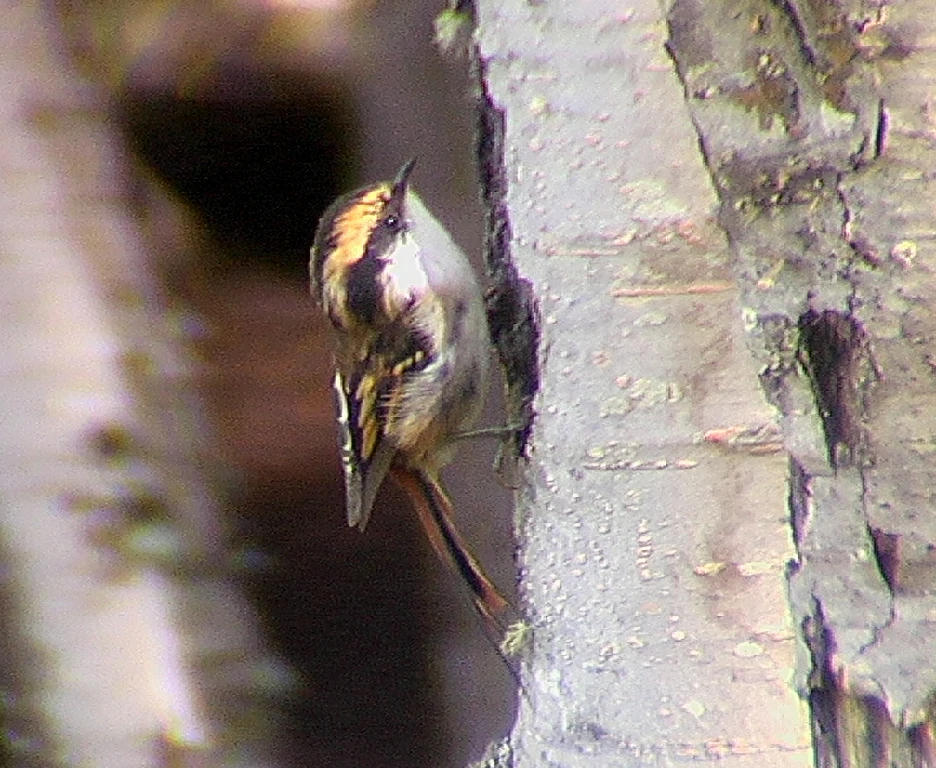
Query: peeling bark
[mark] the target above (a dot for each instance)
(820, 209)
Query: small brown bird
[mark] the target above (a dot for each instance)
(411, 356)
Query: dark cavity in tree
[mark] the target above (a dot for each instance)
(833, 349)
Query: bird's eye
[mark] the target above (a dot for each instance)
(392, 222)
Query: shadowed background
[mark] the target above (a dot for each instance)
(247, 120)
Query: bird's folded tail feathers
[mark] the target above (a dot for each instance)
(434, 508)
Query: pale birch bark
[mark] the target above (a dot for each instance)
(673, 642)
(816, 126)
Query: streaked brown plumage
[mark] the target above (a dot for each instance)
(411, 356)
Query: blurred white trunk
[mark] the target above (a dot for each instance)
(104, 505)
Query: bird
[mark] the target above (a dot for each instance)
(412, 354)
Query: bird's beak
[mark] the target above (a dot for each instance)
(402, 179)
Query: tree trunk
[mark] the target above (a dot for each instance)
(125, 642)
(726, 540)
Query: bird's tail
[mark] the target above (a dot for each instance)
(434, 509)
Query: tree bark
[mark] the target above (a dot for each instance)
(724, 213)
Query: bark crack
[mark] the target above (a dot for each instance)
(511, 305)
(881, 130)
(833, 346)
(820, 642)
(791, 12)
(800, 505)
(886, 548)
(672, 54)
